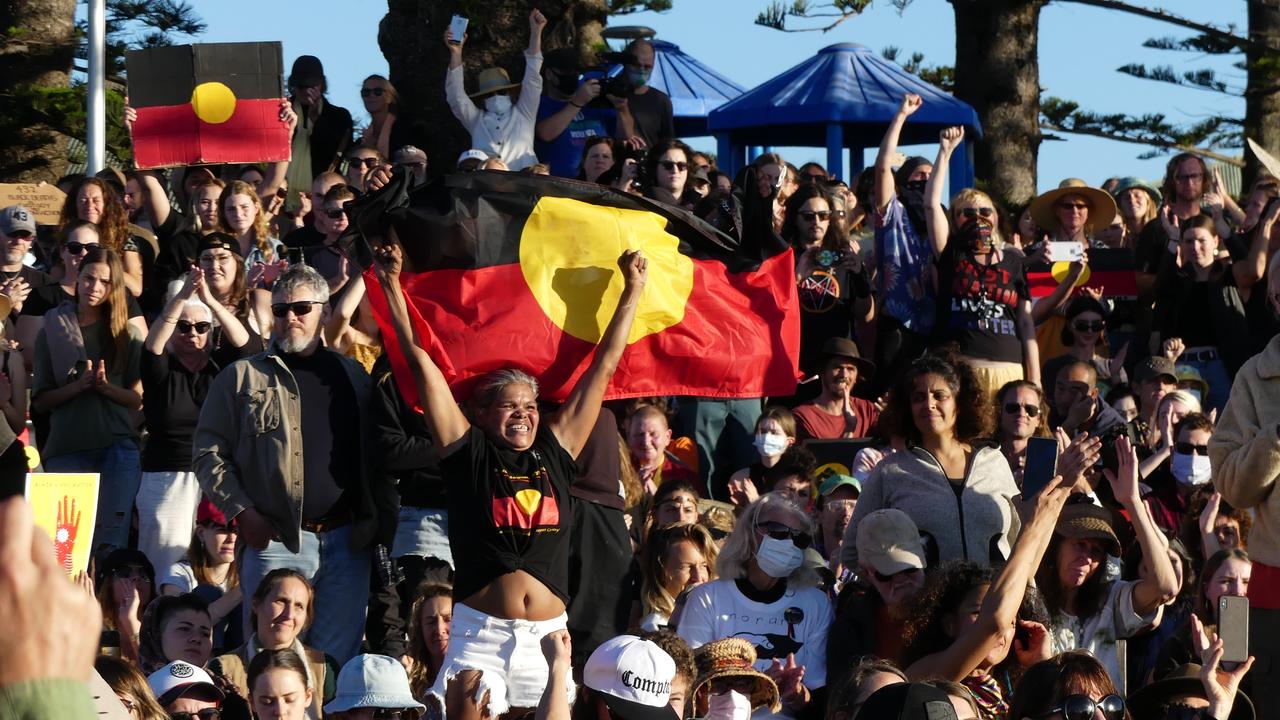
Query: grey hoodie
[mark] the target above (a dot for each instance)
(977, 524)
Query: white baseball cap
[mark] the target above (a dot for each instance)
(634, 677)
(473, 154)
(181, 679)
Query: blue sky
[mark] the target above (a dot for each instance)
(1080, 48)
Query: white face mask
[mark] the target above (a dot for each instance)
(731, 705)
(771, 444)
(778, 558)
(498, 104)
(1191, 469)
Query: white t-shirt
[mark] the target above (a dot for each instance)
(183, 577)
(1098, 634)
(719, 609)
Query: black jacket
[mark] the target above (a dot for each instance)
(404, 447)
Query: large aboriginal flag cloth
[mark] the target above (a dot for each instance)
(207, 103)
(507, 270)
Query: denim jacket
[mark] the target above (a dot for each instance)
(247, 448)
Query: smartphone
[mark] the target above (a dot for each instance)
(294, 255)
(458, 25)
(1041, 466)
(1066, 251)
(1233, 628)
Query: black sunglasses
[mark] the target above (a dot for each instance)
(376, 92)
(205, 714)
(201, 328)
(1013, 408)
(811, 215)
(1083, 707)
(778, 531)
(367, 162)
(674, 165)
(1086, 326)
(971, 213)
(299, 308)
(334, 213)
(1187, 448)
(75, 248)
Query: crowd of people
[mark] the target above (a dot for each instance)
(281, 534)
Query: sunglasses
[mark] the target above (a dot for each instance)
(889, 578)
(376, 92)
(674, 165)
(811, 215)
(814, 177)
(1030, 410)
(834, 506)
(299, 308)
(200, 328)
(983, 212)
(1087, 326)
(205, 714)
(128, 572)
(1083, 707)
(76, 248)
(369, 163)
(1187, 448)
(334, 213)
(778, 531)
(1074, 206)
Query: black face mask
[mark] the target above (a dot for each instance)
(916, 186)
(566, 84)
(976, 237)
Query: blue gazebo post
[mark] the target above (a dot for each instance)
(729, 155)
(835, 149)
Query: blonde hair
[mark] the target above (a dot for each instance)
(973, 196)
(259, 229)
(653, 595)
(740, 547)
(393, 97)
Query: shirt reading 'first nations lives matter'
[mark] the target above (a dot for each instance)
(509, 510)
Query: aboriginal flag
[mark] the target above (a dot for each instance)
(1110, 270)
(207, 103)
(510, 270)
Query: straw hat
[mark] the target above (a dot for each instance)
(493, 80)
(735, 657)
(1102, 207)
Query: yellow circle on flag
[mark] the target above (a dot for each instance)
(1061, 269)
(213, 102)
(569, 253)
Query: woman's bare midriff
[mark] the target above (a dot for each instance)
(517, 596)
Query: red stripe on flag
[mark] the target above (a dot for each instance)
(740, 336)
(1113, 283)
(169, 135)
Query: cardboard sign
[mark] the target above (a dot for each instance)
(207, 103)
(43, 200)
(1112, 270)
(66, 506)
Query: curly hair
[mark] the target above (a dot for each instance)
(1169, 188)
(973, 412)
(260, 231)
(654, 596)
(113, 226)
(947, 587)
(802, 195)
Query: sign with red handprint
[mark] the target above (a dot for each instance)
(66, 506)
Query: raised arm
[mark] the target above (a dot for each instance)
(531, 85)
(340, 319)
(1253, 267)
(572, 423)
(1000, 607)
(443, 417)
(162, 329)
(463, 107)
(884, 187)
(939, 227)
(1161, 585)
(277, 171)
(154, 199)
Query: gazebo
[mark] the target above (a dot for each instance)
(694, 88)
(843, 98)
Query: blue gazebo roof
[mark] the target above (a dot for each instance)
(694, 88)
(847, 84)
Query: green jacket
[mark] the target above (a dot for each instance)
(247, 447)
(47, 700)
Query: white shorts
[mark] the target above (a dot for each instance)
(507, 653)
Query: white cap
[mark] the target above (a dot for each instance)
(473, 154)
(634, 676)
(179, 679)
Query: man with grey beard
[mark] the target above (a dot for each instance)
(282, 447)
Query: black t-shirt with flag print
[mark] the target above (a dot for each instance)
(978, 304)
(509, 510)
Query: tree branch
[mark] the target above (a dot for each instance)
(1218, 33)
(1148, 141)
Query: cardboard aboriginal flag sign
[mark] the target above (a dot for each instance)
(1112, 270)
(207, 103)
(506, 270)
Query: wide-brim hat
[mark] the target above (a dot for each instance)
(1102, 207)
(1086, 521)
(735, 657)
(1182, 681)
(845, 348)
(493, 80)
